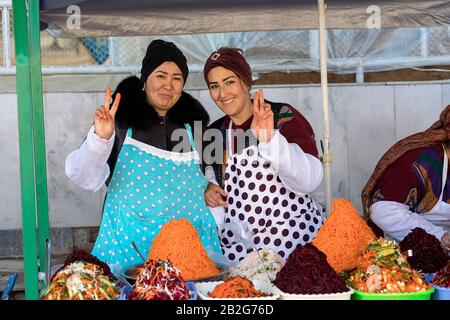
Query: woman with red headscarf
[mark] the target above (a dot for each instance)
(409, 187)
(267, 165)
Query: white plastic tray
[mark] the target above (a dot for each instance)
(326, 296)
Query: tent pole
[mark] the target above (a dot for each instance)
(31, 141)
(40, 164)
(326, 122)
(26, 146)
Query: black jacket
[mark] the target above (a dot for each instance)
(147, 126)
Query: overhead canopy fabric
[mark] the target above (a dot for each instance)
(171, 17)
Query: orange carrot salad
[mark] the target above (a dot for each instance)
(343, 236)
(178, 242)
(236, 287)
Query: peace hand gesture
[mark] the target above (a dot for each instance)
(262, 124)
(445, 242)
(104, 116)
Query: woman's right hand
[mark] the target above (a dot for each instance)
(215, 195)
(104, 116)
(445, 242)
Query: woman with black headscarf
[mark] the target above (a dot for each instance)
(134, 147)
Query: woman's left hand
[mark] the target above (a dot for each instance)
(262, 124)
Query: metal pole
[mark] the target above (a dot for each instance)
(112, 57)
(326, 122)
(314, 52)
(360, 74)
(31, 141)
(423, 42)
(6, 37)
(39, 133)
(26, 148)
(351, 63)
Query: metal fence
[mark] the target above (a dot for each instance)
(348, 51)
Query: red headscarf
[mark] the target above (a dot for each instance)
(232, 59)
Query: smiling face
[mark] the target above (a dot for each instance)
(230, 93)
(164, 86)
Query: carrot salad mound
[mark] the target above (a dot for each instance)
(343, 236)
(236, 287)
(179, 242)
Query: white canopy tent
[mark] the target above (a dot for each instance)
(159, 17)
(169, 17)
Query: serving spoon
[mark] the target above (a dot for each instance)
(137, 250)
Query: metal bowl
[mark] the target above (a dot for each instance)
(130, 274)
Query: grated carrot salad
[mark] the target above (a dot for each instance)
(236, 287)
(343, 236)
(178, 242)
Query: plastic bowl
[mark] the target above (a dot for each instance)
(424, 295)
(191, 286)
(440, 293)
(125, 292)
(130, 274)
(326, 296)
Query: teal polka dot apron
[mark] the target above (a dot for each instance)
(149, 188)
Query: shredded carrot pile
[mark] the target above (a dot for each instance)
(343, 236)
(178, 242)
(236, 287)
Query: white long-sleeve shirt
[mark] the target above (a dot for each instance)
(299, 172)
(396, 220)
(87, 166)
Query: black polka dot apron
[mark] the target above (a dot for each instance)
(262, 212)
